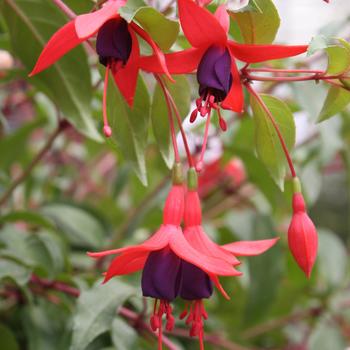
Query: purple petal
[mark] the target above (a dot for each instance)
(114, 41)
(161, 277)
(214, 72)
(196, 284)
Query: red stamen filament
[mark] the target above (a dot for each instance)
(276, 127)
(199, 164)
(171, 119)
(106, 128)
(164, 308)
(195, 320)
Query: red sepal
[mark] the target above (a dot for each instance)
(223, 17)
(235, 98)
(258, 53)
(64, 40)
(250, 248)
(87, 25)
(201, 28)
(126, 77)
(181, 62)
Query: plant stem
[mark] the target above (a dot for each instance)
(64, 8)
(272, 70)
(61, 127)
(289, 79)
(276, 127)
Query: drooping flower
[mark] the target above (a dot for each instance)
(116, 45)
(196, 283)
(161, 258)
(302, 234)
(213, 55)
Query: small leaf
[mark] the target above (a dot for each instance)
(259, 27)
(123, 335)
(29, 217)
(130, 126)
(181, 93)
(326, 335)
(338, 60)
(265, 273)
(68, 82)
(163, 30)
(80, 226)
(337, 99)
(332, 258)
(268, 145)
(13, 270)
(96, 310)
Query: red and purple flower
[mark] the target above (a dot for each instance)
(213, 55)
(116, 45)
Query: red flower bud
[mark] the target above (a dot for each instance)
(302, 236)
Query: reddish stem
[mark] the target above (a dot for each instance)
(272, 70)
(275, 125)
(170, 117)
(303, 78)
(179, 121)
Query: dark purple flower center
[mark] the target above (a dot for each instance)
(161, 276)
(214, 73)
(196, 284)
(114, 42)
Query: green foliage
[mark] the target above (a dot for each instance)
(68, 82)
(258, 26)
(268, 145)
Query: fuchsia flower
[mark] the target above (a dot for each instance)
(302, 235)
(197, 283)
(116, 45)
(161, 258)
(213, 55)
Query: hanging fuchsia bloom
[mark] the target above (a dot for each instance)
(213, 56)
(302, 234)
(116, 45)
(197, 283)
(161, 258)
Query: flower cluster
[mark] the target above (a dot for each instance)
(181, 262)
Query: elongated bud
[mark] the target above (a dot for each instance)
(302, 234)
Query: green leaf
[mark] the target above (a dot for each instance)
(80, 226)
(29, 217)
(332, 258)
(68, 82)
(130, 126)
(268, 145)
(181, 93)
(337, 99)
(8, 339)
(326, 335)
(124, 337)
(265, 273)
(259, 27)
(338, 59)
(96, 310)
(11, 269)
(163, 30)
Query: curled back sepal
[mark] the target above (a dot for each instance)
(302, 236)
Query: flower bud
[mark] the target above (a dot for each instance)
(302, 236)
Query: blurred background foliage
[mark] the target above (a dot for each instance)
(73, 192)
